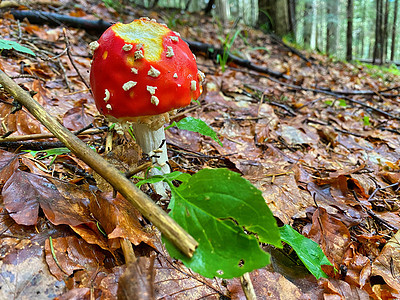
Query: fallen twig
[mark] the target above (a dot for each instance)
(334, 94)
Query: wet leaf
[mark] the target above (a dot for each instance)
(73, 254)
(119, 218)
(331, 234)
(387, 264)
(62, 203)
(24, 275)
(8, 165)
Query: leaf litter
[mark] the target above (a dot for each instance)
(325, 164)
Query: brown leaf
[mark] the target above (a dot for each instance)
(387, 264)
(276, 180)
(76, 118)
(8, 165)
(24, 274)
(137, 282)
(119, 219)
(73, 254)
(62, 203)
(339, 289)
(267, 285)
(331, 234)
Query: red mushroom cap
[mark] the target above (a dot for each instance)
(142, 69)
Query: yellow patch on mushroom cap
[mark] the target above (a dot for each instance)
(150, 34)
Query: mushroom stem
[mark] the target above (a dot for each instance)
(153, 144)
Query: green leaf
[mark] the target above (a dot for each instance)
(307, 250)
(342, 102)
(366, 121)
(215, 206)
(8, 45)
(196, 125)
(49, 152)
(169, 177)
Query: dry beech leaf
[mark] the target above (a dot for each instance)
(8, 165)
(76, 118)
(387, 264)
(331, 234)
(119, 219)
(62, 203)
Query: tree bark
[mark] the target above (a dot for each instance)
(378, 32)
(308, 23)
(385, 31)
(332, 26)
(292, 17)
(349, 37)
(393, 46)
(277, 18)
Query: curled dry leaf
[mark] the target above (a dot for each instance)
(120, 219)
(73, 254)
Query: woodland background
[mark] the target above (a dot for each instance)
(301, 110)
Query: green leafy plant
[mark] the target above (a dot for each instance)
(342, 103)
(196, 125)
(50, 152)
(307, 250)
(227, 215)
(8, 45)
(227, 44)
(366, 121)
(114, 4)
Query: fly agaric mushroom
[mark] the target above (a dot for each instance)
(140, 73)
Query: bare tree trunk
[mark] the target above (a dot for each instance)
(362, 34)
(308, 23)
(349, 37)
(223, 11)
(277, 15)
(292, 17)
(393, 48)
(378, 32)
(385, 32)
(332, 26)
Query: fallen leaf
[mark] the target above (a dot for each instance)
(8, 165)
(62, 203)
(331, 234)
(387, 264)
(73, 254)
(119, 219)
(24, 275)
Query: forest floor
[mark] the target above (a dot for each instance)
(321, 143)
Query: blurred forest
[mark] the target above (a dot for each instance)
(364, 30)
